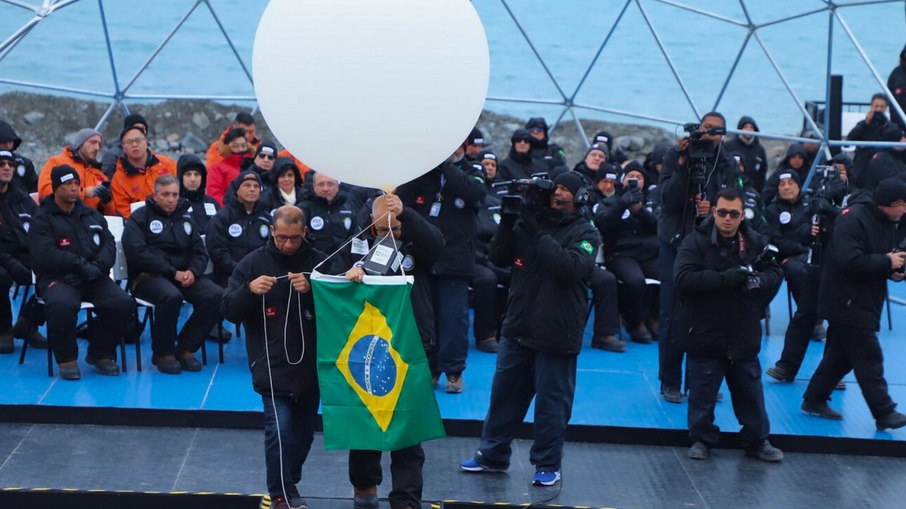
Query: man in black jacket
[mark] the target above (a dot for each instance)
(448, 197)
(192, 175)
(420, 243)
(167, 259)
(859, 261)
(24, 174)
(724, 282)
(519, 164)
(896, 83)
(331, 214)
(551, 251)
(754, 157)
(16, 211)
(549, 154)
(263, 165)
(240, 227)
(870, 129)
(280, 342)
(72, 252)
(687, 189)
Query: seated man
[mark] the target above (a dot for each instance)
(82, 155)
(136, 170)
(239, 228)
(220, 148)
(331, 214)
(262, 164)
(16, 211)
(72, 252)
(167, 259)
(192, 176)
(24, 174)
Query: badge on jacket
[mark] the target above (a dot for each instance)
(347, 222)
(187, 227)
(64, 242)
(587, 247)
(21, 170)
(234, 230)
(459, 203)
(317, 223)
(270, 311)
(96, 238)
(785, 217)
(210, 209)
(156, 227)
(263, 231)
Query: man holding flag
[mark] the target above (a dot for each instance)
(269, 293)
(374, 376)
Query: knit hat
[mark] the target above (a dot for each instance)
(570, 180)
(521, 134)
(843, 159)
(487, 154)
(6, 155)
(603, 137)
(248, 175)
(82, 136)
(606, 171)
(62, 174)
(134, 127)
(600, 147)
(267, 147)
(476, 138)
(789, 174)
(135, 119)
(890, 191)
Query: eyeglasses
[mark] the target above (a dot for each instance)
(537, 130)
(283, 239)
(267, 156)
(735, 214)
(134, 141)
(6, 164)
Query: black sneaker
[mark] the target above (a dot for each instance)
(765, 452)
(699, 451)
(821, 410)
(671, 394)
(220, 335)
(893, 420)
(167, 364)
(779, 374)
(609, 343)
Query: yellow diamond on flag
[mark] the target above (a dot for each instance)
(372, 367)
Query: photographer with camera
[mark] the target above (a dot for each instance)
(629, 231)
(726, 275)
(869, 129)
(693, 173)
(887, 162)
(861, 257)
(551, 247)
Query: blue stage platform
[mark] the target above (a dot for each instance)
(613, 390)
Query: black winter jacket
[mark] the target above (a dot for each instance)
(331, 224)
(64, 244)
(233, 233)
(16, 211)
(625, 233)
(790, 227)
(722, 321)
(896, 82)
(157, 243)
(548, 294)
(202, 206)
(754, 159)
(520, 166)
(854, 279)
(240, 305)
(459, 194)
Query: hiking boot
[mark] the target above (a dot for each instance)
(106, 367)
(489, 345)
(779, 374)
(454, 384)
(893, 420)
(188, 361)
(640, 335)
(167, 364)
(765, 452)
(821, 410)
(365, 498)
(609, 343)
(472, 465)
(546, 478)
(699, 451)
(671, 394)
(819, 333)
(6, 342)
(70, 370)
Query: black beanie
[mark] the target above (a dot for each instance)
(62, 174)
(600, 147)
(890, 191)
(603, 137)
(487, 154)
(267, 147)
(789, 174)
(248, 175)
(133, 119)
(606, 171)
(521, 134)
(570, 180)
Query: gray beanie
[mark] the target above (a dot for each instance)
(83, 135)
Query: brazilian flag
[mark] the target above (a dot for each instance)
(376, 389)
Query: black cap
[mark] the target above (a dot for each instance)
(603, 137)
(62, 174)
(601, 147)
(487, 154)
(889, 191)
(570, 180)
(521, 134)
(6, 155)
(476, 138)
(248, 175)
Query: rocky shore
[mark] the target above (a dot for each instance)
(47, 122)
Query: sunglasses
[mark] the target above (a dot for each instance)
(6, 164)
(267, 156)
(735, 214)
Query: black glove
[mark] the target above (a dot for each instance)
(19, 272)
(102, 192)
(734, 276)
(836, 186)
(822, 206)
(529, 223)
(90, 271)
(632, 196)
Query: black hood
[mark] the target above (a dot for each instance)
(8, 133)
(538, 122)
(747, 120)
(188, 162)
(279, 168)
(795, 148)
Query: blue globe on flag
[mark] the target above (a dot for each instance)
(371, 365)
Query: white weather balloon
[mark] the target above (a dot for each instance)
(371, 92)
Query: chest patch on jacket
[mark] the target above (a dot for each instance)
(270, 311)
(587, 247)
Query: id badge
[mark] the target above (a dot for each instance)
(435, 209)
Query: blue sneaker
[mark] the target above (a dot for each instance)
(470, 465)
(543, 478)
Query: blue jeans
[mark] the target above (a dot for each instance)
(523, 374)
(297, 418)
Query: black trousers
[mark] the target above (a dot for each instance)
(405, 473)
(638, 301)
(705, 375)
(167, 296)
(451, 315)
(852, 348)
(603, 286)
(112, 306)
(671, 344)
(804, 282)
(484, 301)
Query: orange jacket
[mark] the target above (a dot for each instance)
(303, 168)
(214, 156)
(89, 176)
(135, 186)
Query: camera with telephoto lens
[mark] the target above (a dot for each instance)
(532, 193)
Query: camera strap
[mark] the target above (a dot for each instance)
(741, 243)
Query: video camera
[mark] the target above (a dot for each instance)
(532, 193)
(699, 148)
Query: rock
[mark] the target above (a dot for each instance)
(33, 117)
(161, 145)
(174, 145)
(193, 143)
(172, 137)
(201, 120)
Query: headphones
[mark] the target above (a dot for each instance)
(581, 195)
